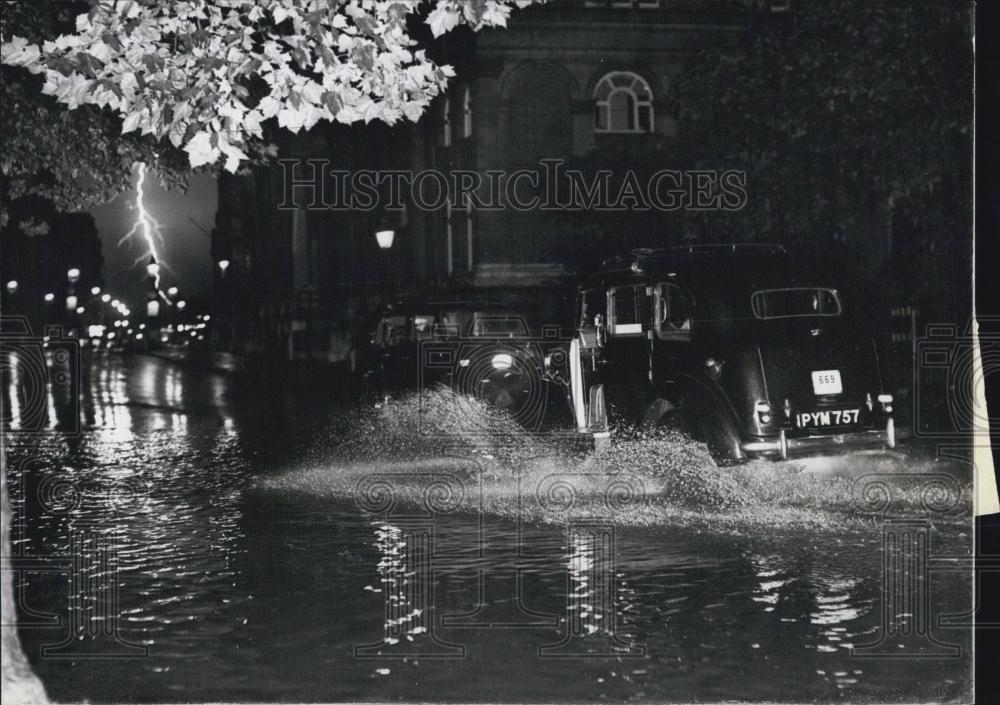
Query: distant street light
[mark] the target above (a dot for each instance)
(153, 269)
(106, 298)
(12, 287)
(172, 291)
(73, 274)
(71, 302)
(181, 304)
(95, 290)
(116, 303)
(50, 297)
(80, 309)
(223, 266)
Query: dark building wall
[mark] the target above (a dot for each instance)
(522, 94)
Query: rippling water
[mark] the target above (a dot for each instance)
(212, 539)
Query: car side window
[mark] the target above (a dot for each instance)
(629, 310)
(674, 309)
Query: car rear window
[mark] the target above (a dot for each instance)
(786, 303)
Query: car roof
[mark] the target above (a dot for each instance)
(732, 268)
(424, 306)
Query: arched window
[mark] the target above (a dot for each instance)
(623, 103)
(466, 112)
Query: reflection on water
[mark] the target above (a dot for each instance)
(149, 540)
(406, 586)
(596, 598)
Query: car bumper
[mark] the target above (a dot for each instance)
(787, 447)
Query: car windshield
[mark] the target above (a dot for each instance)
(785, 303)
(499, 326)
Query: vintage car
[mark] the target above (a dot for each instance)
(481, 348)
(745, 348)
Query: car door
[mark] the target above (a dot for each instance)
(625, 355)
(673, 318)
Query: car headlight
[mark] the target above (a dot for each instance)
(502, 361)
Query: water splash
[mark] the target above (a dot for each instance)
(643, 478)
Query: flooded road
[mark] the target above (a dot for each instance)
(194, 543)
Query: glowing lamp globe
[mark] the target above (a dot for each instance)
(385, 238)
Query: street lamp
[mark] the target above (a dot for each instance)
(72, 274)
(50, 297)
(223, 266)
(12, 287)
(106, 298)
(95, 290)
(172, 291)
(181, 304)
(80, 309)
(71, 302)
(385, 236)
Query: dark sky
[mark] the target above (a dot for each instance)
(185, 254)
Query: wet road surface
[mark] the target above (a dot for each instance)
(217, 537)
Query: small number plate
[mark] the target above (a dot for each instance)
(827, 382)
(833, 417)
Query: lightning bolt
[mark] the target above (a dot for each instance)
(147, 226)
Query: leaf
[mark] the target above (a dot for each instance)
(200, 150)
(443, 19)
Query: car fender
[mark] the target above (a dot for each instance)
(710, 415)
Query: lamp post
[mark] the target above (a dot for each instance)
(72, 302)
(153, 303)
(49, 298)
(222, 307)
(384, 236)
(12, 287)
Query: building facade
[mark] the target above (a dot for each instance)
(562, 82)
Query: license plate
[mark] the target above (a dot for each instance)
(831, 417)
(827, 382)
